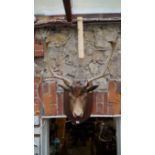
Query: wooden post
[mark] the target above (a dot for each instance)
(80, 37)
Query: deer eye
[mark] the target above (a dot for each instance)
(72, 96)
(83, 96)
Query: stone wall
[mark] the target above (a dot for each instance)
(62, 53)
(60, 50)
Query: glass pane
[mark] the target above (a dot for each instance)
(48, 7)
(55, 7)
(96, 6)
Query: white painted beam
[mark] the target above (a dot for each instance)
(56, 116)
(105, 115)
(80, 37)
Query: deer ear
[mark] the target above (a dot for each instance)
(92, 88)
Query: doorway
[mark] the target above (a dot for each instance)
(61, 137)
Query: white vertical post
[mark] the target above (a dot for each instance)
(45, 137)
(80, 37)
(118, 134)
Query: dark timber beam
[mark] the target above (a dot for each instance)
(44, 21)
(68, 10)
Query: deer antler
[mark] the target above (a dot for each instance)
(113, 45)
(65, 80)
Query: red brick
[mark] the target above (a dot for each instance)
(36, 96)
(94, 104)
(105, 103)
(53, 87)
(36, 107)
(110, 108)
(114, 97)
(35, 93)
(53, 92)
(117, 104)
(60, 103)
(46, 104)
(36, 100)
(38, 49)
(49, 98)
(40, 91)
(49, 105)
(113, 90)
(37, 79)
(99, 108)
(101, 102)
(36, 110)
(37, 87)
(46, 88)
(54, 109)
(100, 97)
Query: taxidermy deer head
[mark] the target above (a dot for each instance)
(76, 94)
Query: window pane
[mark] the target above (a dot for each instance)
(55, 7)
(48, 7)
(96, 6)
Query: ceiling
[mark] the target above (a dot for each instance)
(56, 7)
(68, 10)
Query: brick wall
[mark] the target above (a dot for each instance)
(49, 98)
(37, 95)
(38, 48)
(104, 103)
(108, 103)
(61, 51)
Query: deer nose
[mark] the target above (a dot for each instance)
(78, 114)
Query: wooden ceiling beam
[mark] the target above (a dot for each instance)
(42, 22)
(68, 10)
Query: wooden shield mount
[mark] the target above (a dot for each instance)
(87, 110)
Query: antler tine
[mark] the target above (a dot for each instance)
(65, 80)
(113, 45)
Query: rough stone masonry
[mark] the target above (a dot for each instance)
(62, 52)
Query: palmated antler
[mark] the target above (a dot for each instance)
(113, 45)
(65, 80)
